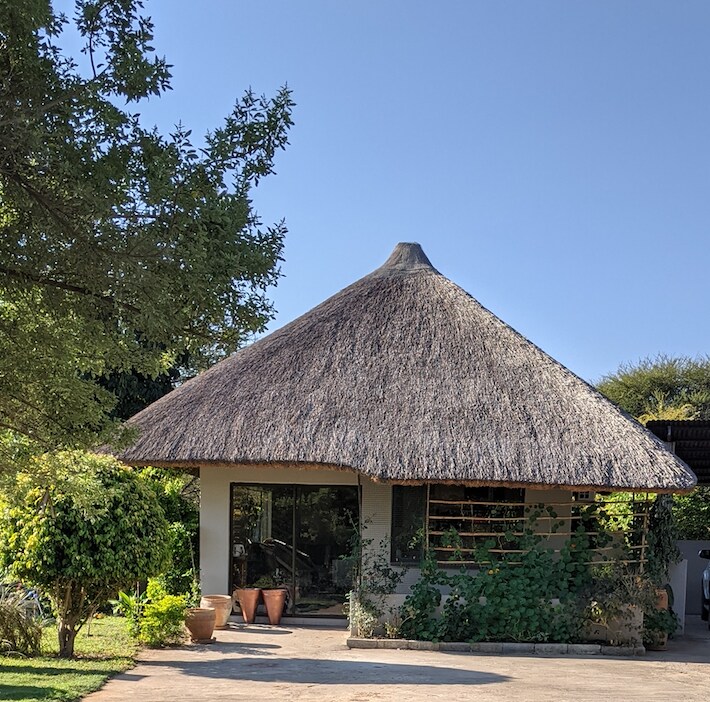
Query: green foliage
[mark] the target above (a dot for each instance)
(131, 607)
(661, 388)
(163, 617)
(163, 621)
(20, 632)
(668, 388)
(510, 600)
(375, 579)
(178, 494)
(662, 551)
(121, 248)
(692, 514)
(82, 555)
(612, 588)
(418, 610)
(657, 625)
(536, 594)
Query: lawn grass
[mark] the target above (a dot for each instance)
(106, 652)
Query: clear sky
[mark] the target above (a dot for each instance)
(552, 158)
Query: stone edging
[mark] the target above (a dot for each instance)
(493, 647)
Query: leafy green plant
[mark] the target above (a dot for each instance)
(265, 582)
(179, 496)
(658, 624)
(20, 632)
(362, 615)
(530, 593)
(662, 551)
(419, 607)
(123, 247)
(163, 622)
(131, 607)
(692, 514)
(375, 579)
(154, 617)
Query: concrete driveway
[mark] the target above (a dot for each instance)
(287, 663)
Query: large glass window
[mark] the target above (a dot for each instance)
(462, 519)
(299, 537)
(451, 521)
(408, 514)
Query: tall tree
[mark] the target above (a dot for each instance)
(661, 388)
(121, 248)
(82, 554)
(668, 388)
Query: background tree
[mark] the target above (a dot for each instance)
(178, 493)
(121, 248)
(668, 388)
(82, 554)
(661, 388)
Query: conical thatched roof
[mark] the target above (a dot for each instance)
(403, 376)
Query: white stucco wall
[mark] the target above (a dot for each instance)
(214, 510)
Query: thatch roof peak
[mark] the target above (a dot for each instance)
(405, 258)
(403, 376)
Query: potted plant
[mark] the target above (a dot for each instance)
(617, 599)
(248, 598)
(274, 598)
(658, 625)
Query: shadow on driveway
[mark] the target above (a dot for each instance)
(329, 672)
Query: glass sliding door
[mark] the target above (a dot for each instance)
(327, 522)
(298, 537)
(262, 527)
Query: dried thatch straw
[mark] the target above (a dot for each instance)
(404, 377)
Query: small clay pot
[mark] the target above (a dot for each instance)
(222, 605)
(200, 623)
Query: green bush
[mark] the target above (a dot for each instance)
(178, 495)
(692, 514)
(533, 594)
(154, 617)
(163, 621)
(19, 631)
(79, 554)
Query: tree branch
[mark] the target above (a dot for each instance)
(25, 276)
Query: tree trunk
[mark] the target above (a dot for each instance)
(67, 634)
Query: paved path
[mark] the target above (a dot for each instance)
(287, 663)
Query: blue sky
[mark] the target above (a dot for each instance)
(552, 158)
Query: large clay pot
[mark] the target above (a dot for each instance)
(657, 640)
(200, 623)
(222, 605)
(274, 600)
(661, 598)
(248, 602)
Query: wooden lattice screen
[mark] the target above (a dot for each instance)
(459, 530)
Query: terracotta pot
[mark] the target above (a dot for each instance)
(248, 602)
(200, 623)
(274, 600)
(222, 605)
(661, 598)
(658, 643)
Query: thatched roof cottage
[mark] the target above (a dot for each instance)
(393, 402)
